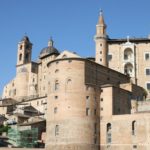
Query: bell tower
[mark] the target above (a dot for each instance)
(24, 51)
(101, 42)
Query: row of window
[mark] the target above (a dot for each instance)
(42, 102)
(57, 129)
(69, 81)
(88, 111)
(26, 57)
(128, 55)
(109, 131)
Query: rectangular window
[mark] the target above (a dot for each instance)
(148, 86)
(56, 130)
(109, 57)
(87, 111)
(147, 71)
(147, 56)
(55, 110)
(95, 128)
(94, 111)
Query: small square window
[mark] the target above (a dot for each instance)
(100, 59)
(87, 97)
(134, 146)
(147, 56)
(101, 108)
(100, 52)
(147, 71)
(148, 86)
(101, 99)
(56, 97)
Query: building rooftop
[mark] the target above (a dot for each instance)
(138, 40)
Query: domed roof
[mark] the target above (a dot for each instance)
(49, 50)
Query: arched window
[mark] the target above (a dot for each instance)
(27, 57)
(133, 127)
(128, 69)
(56, 130)
(20, 47)
(128, 54)
(20, 57)
(56, 85)
(69, 84)
(108, 133)
(69, 81)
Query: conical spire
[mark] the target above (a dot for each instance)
(101, 18)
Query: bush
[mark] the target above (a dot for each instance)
(4, 128)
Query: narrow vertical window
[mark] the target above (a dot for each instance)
(56, 130)
(87, 111)
(133, 127)
(20, 57)
(108, 133)
(20, 47)
(27, 57)
(95, 128)
(147, 56)
(69, 84)
(56, 85)
(55, 110)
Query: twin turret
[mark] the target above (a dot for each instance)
(25, 46)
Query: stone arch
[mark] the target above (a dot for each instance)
(128, 53)
(128, 69)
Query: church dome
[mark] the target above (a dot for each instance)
(50, 50)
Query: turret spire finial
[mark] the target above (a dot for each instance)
(101, 18)
(51, 42)
(101, 12)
